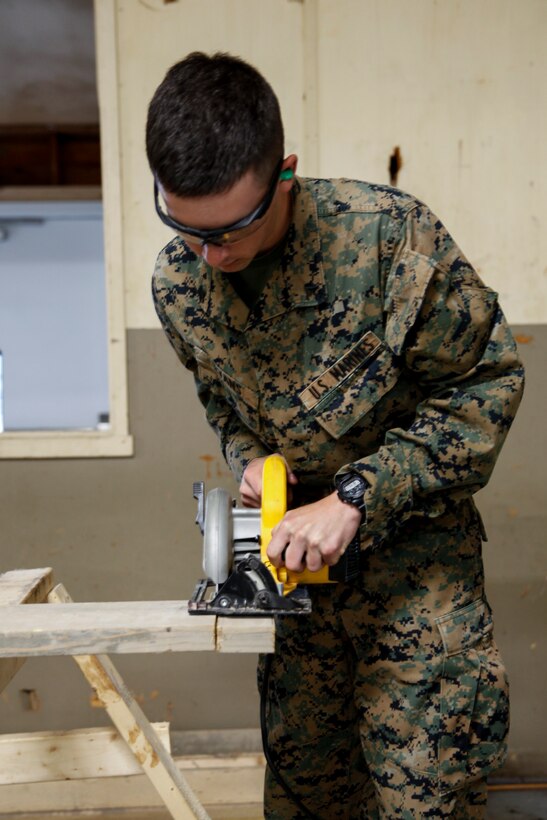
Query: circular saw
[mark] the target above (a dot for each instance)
(240, 579)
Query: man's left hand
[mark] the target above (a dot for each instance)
(314, 535)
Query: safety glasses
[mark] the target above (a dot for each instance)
(231, 233)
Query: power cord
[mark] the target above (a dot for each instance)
(267, 751)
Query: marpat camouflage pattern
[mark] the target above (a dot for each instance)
(374, 348)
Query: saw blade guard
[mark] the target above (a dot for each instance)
(218, 535)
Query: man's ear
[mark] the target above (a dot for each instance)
(289, 171)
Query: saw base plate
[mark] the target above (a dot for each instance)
(249, 591)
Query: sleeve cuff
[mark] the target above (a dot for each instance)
(388, 497)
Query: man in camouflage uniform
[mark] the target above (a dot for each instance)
(337, 323)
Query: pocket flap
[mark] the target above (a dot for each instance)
(341, 406)
(406, 288)
(237, 389)
(465, 627)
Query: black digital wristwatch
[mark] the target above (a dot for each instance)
(351, 488)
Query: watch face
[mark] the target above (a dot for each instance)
(352, 488)
(355, 486)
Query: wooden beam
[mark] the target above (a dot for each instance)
(228, 786)
(92, 628)
(38, 757)
(49, 193)
(126, 627)
(19, 587)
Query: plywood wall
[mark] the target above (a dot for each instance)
(459, 86)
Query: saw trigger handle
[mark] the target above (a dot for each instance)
(274, 504)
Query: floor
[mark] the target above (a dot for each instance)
(518, 805)
(502, 805)
(243, 813)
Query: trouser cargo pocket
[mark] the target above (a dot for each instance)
(474, 698)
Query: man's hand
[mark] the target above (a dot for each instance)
(314, 535)
(250, 488)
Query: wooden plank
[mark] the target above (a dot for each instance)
(21, 586)
(48, 193)
(245, 634)
(126, 627)
(110, 90)
(92, 628)
(18, 587)
(219, 782)
(68, 443)
(134, 727)
(36, 757)
(232, 812)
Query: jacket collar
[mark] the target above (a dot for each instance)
(297, 281)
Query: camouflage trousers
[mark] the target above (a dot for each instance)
(390, 700)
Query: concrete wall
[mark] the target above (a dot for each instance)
(459, 87)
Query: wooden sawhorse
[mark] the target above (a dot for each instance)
(87, 630)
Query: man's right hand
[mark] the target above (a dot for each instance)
(250, 488)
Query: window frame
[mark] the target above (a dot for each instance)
(116, 441)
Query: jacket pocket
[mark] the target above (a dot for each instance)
(474, 698)
(349, 389)
(406, 289)
(239, 396)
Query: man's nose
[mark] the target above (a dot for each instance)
(214, 254)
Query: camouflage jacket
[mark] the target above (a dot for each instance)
(374, 348)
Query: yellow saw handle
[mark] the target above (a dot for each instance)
(274, 507)
(274, 504)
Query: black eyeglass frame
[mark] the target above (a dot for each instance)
(209, 236)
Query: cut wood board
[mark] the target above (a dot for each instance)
(126, 627)
(245, 634)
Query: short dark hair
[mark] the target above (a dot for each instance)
(212, 119)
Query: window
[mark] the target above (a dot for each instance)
(63, 382)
